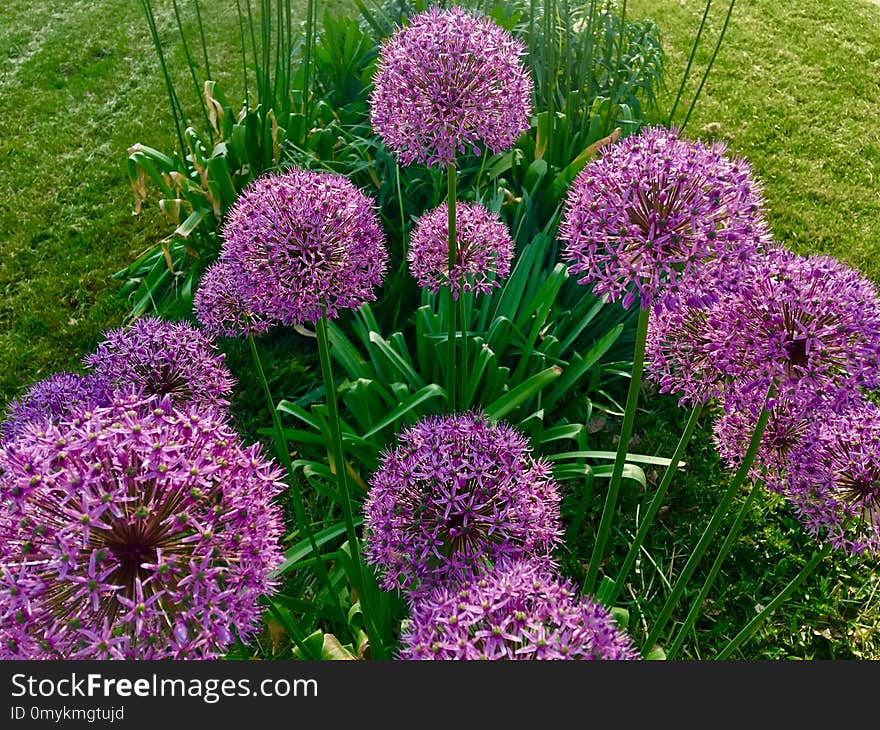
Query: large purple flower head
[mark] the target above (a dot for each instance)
(52, 400)
(834, 480)
(448, 82)
(484, 250)
(663, 219)
(137, 530)
(222, 306)
(457, 491)
(301, 242)
(806, 325)
(518, 610)
(163, 358)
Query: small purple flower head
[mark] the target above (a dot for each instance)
(790, 420)
(301, 241)
(163, 358)
(808, 325)
(448, 82)
(135, 531)
(52, 400)
(221, 304)
(834, 480)
(677, 353)
(518, 610)
(663, 219)
(457, 491)
(484, 250)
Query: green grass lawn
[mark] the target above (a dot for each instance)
(80, 84)
(794, 89)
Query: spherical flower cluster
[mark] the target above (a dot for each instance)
(518, 610)
(789, 421)
(448, 82)
(809, 326)
(296, 244)
(163, 358)
(678, 353)
(135, 531)
(459, 490)
(662, 219)
(52, 400)
(834, 480)
(221, 305)
(484, 250)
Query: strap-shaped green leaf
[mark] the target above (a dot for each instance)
(522, 392)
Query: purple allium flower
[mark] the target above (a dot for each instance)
(834, 480)
(299, 241)
(221, 303)
(790, 420)
(518, 610)
(810, 326)
(484, 249)
(137, 530)
(663, 219)
(677, 353)
(163, 358)
(51, 400)
(458, 490)
(448, 82)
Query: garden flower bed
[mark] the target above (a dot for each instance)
(483, 249)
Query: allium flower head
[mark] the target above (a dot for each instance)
(834, 480)
(807, 325)
(663, 219)
(221, 303)
(52, 400)
(484, 250)
(790, 420)
(518, 610)
(163, 358)
(300, 241)
(457, 491)
(448, 82)
(137, 530)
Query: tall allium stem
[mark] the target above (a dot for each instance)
(464, 336)
(307, 55)
(711, 529)
(450, 299)
(708, 67)
(690, 61)
(281, 446)
(344, 494)
(697, 604)
(783, 595)
(403, 238)
(283, 450)
(626, 429)
(656, 502)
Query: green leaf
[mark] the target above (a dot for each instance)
(605, 591)
(580, 365)
(573, 431)
(429, 391)
(398, 363)
(303, 549)
(656, 654)
(522, 392)
(285, 406)
(619, 614)
(564, 472)
(611, 455)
